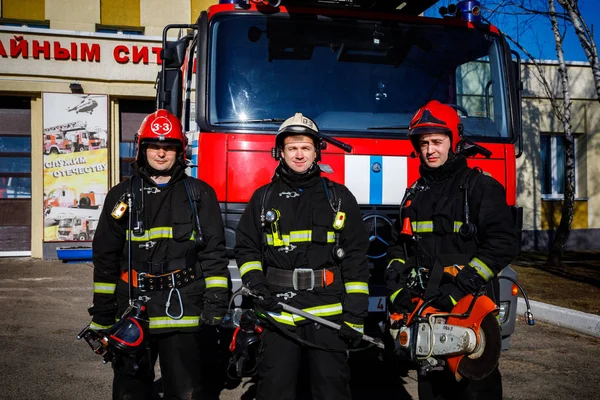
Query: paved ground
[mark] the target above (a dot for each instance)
(44, 305)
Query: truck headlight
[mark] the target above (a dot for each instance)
(504, 311)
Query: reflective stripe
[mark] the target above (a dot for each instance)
(322, 311)
(393, 296)
(304, 236)
(319, 311)
(216, 282)
(300, 236)
(283, 318)
(453, 301)
(457, 225)
(97, 327)
(161, 232)
(359, 328)
(104, 287)
(357, 287)
(250, 266)
(427, 226)
(166, 322)
(395, 259)
(482, 269)
(422, 226)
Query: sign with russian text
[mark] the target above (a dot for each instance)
(75, 164)
(91, 56)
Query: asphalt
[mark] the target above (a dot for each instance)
(588, 324)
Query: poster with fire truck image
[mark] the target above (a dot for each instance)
(75, 164)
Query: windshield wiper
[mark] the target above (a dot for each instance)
(251, 121)
(381, 128)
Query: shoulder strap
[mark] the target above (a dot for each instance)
(331, 194)
(193, 190)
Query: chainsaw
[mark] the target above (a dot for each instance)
(466, 340)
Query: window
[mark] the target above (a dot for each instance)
(132, 113)
(120, 16)
(15, 148)
(15, 173)
(552, 172)
(30, 13)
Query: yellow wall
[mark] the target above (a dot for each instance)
(24, 9)
(120, 12)
(552, 210)
(197, 6)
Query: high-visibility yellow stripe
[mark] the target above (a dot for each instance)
(357, 327)
(326, 310)
(357, 287)
(395, 259)
(457, 225)
(283, 318)
(303, 236)
(482, 269)
(97, 327)
(216, 282)
(395, 294)
(104, 287)
(161, 232)
(166, 322)
(427, 226)
(250, 266)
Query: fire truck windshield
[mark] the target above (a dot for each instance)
(359, 77)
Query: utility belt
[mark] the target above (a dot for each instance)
(302, 278)
(148, 282)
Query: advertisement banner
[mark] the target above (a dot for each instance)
(75, 164)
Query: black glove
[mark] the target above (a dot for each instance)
(212, 315)
(102, 317)
(467, 281)
(266, 302)
(350, 335)
(403, 301)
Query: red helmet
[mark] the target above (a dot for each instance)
(435, 117)
(161, 127)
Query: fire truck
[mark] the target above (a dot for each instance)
(360, 69)
(71, 227)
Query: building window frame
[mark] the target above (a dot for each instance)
(120, 29)
(550, 162)
(25, 23)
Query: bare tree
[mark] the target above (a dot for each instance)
(568, 207)
(561, 105)
(585, 38)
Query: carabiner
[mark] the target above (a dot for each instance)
(168, 304)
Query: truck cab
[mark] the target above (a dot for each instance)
(360, 69)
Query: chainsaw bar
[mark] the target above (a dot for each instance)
(484, 360)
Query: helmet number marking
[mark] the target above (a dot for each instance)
(161, 126)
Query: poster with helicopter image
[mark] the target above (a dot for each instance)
(75, 135)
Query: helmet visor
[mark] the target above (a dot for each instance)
(424, 130)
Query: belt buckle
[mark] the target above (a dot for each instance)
(295, 277)
(140, 278)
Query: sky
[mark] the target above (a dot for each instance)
(536, 35)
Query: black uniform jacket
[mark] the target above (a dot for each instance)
(166, 245)
(436, 212)
(305, 226)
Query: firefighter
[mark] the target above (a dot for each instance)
(301, 241)
(178, 261)
(439, 228)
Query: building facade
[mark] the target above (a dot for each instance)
(540, 170)
(78, 76)
(76, 79)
